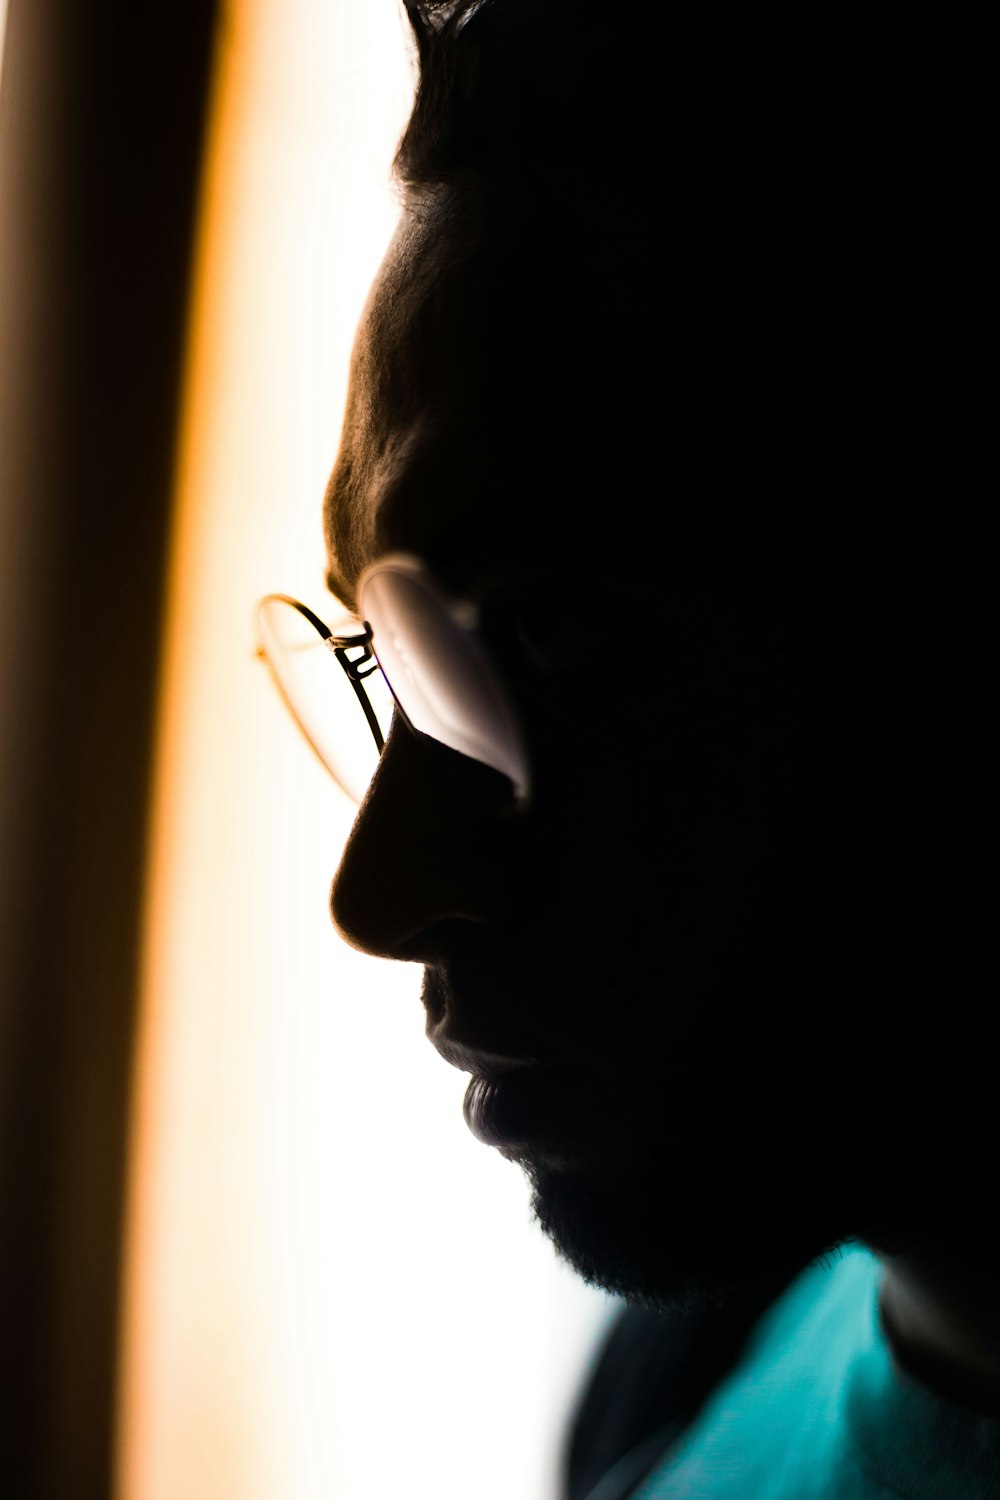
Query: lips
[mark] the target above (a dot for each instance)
(548, 1110)
(532, 1091)
(489, 1018)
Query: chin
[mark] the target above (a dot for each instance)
(677, 1247)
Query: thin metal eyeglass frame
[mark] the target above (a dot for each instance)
(357, 670)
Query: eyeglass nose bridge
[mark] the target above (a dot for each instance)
(361, 666)
(357, 670)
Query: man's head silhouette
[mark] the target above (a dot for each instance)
(634, 401)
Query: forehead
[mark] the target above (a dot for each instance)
(542, 390)
(481, 386)
(412, 470)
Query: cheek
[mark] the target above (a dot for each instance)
(648, 884)
(634, 832)
(664, 892)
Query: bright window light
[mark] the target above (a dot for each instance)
(332, 1292)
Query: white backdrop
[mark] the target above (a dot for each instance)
(333, 1292)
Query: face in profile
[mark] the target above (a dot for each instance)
(656, 971)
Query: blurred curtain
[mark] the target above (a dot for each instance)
(101, 122)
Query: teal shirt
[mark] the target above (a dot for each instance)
(817, 1410)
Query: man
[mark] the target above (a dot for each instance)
(635, 412)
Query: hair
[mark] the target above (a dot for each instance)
(564, 94)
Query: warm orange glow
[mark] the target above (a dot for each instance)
(317, 1249)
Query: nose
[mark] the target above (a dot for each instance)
(432, 844)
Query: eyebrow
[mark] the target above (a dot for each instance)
(341, 589)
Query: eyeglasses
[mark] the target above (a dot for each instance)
(415, 651)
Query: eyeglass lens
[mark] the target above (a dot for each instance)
(321, 695)
(437, 671)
